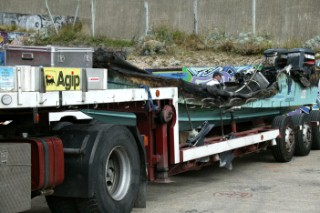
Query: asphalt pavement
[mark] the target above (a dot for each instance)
(256, 184)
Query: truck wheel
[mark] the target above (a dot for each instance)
(315, 116)
(61, 204)
(284, 150)
(116, 173)
(303, 135)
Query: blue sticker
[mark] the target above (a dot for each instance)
(6, 78)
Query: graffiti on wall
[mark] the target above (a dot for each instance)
(34, 22)
(39, 23)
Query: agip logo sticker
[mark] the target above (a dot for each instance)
(62, 79)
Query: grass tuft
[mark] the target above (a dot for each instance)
(72, 36)
(161, 40)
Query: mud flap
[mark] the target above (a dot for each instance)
(141, 201)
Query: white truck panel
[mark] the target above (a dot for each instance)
(211, 149)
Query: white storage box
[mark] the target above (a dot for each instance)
(29, 78)
(96, 79)
(25, 77)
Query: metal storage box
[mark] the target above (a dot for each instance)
(96, 79)
(49, 56)
(15, 175)
(29, 79)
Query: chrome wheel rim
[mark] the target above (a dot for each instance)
(306, 134)
(118, 173)
(289, 139)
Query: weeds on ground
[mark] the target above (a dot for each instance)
(292, 43)
(168, 35)
(165, 39)
(70, 35)
(216, 40)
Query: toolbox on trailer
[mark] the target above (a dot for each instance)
(96, 79)
(31, 79)
(47, 159)
(52, 56)
(15, 175)
(24, 78)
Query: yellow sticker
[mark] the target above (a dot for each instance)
(62, 79)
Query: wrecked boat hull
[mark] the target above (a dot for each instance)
(198, 103)
(289, 97)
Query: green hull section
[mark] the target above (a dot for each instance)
(290, 96)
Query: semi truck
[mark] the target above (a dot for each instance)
(49, 148)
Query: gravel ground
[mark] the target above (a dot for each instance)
(199, 58)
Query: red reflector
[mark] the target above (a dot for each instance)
(145, 140)
(157, 93)
(36, 118)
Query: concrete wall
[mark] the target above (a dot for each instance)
(177, 14)
(282, 19)
(120, 18)
(289, 19)
(230, 16)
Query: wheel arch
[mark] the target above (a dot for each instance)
(141, 198)
(79, 166)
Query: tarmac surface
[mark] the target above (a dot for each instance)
(257, 184)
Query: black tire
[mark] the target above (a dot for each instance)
(284, 150)
(303, 135)
(315, 116)
(116, 174)
(61, 204)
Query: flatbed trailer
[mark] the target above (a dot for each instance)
(106, 167)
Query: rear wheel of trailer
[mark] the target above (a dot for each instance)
(102, 177)
(315, 117)
(116, 174)
(285, 148)
(303, 135)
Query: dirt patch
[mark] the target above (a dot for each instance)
(198, 58)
